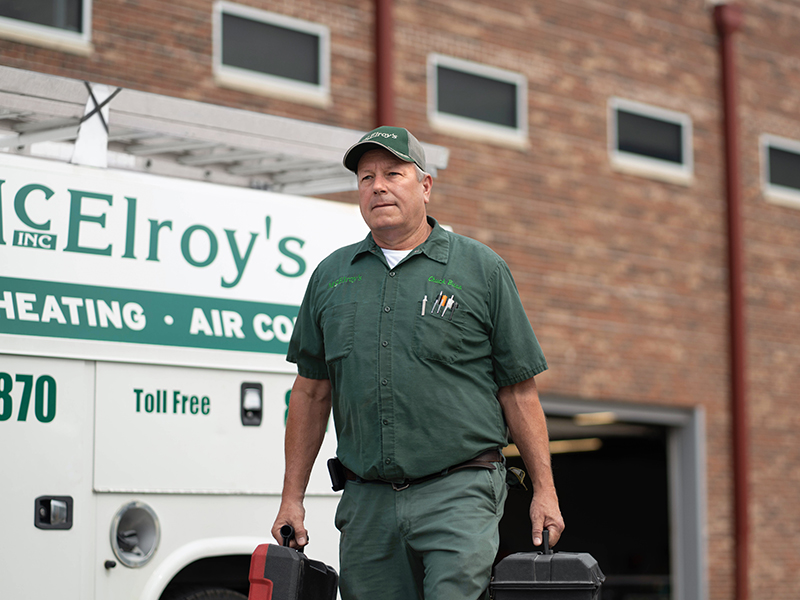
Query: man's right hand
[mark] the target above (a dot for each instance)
(291, 514)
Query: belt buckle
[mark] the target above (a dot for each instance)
(399, 487)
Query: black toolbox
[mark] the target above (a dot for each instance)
(547, 575)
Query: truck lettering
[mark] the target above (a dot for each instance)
(2, 241)
(87, 233)
(155, 229)
(301, 264)
(267, 328)
(182, 404)
(151, 403)
(240, 262)
(213, 245)
(21, 209)
(31, 239)
(43, 392)
(76, 217)
(227, 323)
(97, 312)
(130, 228)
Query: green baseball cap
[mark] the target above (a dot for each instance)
(396, 140)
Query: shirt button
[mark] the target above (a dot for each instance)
(384, 344)
(392, 273)
(384, 381)
(385, 422)
(388, 461)
(386, 309)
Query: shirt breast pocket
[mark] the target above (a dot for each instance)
(439, 338)
(338, 329)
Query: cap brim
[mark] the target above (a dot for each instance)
(356, 151)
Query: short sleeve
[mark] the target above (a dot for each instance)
(307, 347)
(516, 353)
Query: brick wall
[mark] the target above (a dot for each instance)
(624, 277)
(769, 61)
(166, 48)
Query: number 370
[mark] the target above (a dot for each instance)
(44, 397)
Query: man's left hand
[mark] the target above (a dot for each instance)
(545, 514)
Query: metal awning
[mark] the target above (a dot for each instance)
(48, 116)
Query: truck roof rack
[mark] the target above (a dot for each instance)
(51, 117)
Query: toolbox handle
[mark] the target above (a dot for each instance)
(545, 541)
(287, 533)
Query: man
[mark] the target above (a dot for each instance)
(416, 337)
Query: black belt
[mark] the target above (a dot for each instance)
(482, 461)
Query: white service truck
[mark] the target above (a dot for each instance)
(144, 322)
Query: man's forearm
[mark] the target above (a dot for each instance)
(309, 411)
(528, 428)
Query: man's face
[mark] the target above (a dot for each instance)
(392, 200)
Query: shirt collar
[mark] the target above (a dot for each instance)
(436, 247)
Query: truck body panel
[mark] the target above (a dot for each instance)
(144, 323)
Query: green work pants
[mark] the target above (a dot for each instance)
(435, 540)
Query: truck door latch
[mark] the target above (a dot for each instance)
(53, 512)
(252, 403)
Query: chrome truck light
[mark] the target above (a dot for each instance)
(135, 533)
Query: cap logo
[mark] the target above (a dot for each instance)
(375, 134)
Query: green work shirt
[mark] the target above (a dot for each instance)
(415, 391)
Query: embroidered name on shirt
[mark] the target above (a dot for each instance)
(341, 280)
(449, 282)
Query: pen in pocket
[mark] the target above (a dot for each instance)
(449, 305)
(435, 302)
(441, 304)
(455, 306)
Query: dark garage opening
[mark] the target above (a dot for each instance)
(612, 482)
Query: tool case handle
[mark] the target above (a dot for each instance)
(287, 533)
(546, 549)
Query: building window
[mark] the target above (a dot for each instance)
(780, 168)
(264, 52)
(650, 141)
(60, 24)
(62, 14)
(475, 100)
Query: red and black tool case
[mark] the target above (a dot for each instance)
(283, 573)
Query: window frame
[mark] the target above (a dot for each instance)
(775, 193)
(51, 37)
(475, 128)
(263, 83)
(646, 166)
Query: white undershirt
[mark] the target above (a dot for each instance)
(394, 256)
